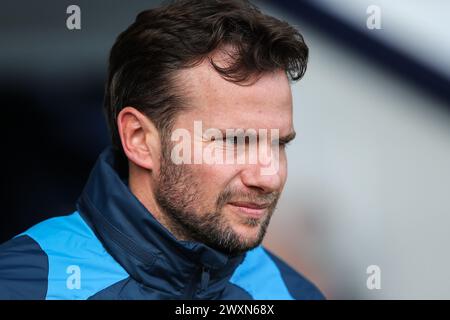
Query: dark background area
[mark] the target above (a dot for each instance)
(53, 132)
(51, 89)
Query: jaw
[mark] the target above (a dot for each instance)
(247, 233)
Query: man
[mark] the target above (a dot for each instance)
(170, 210)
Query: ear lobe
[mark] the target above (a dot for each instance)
(139, 137)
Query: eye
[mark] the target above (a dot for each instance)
(231, 140)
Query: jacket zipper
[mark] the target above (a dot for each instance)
(203, 276)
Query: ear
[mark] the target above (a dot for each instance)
(140, 138)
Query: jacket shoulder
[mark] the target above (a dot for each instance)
(23, 269)
(264, 276)
(298, 285)
(78, 266)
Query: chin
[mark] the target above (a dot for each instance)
(248, 234)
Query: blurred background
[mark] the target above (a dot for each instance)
(369, 172)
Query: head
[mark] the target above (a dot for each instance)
(201, 68)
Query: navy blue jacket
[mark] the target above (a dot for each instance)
(113, 248)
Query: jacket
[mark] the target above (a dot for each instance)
(112, 247)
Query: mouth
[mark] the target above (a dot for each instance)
(250, 209)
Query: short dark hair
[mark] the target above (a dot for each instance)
(145, 57)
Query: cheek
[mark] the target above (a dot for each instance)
(283, 172)
(213, 179)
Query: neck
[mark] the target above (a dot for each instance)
(142, 186)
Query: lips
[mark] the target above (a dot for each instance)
(252, 209)
(250, 205)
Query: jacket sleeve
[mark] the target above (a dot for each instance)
(23, 270)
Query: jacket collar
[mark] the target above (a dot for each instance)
(142, 246)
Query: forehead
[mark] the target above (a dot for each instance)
(266, 103)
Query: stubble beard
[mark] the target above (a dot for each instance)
(179, 195)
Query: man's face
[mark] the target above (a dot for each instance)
(227, 206)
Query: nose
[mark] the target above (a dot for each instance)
(253, 177)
